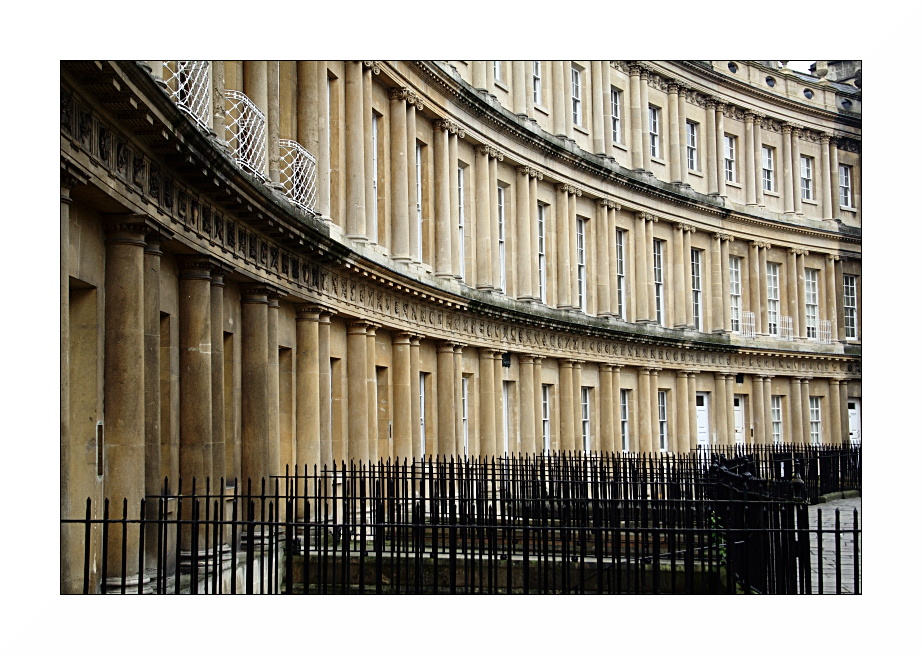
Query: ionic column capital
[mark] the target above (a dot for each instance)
(760, 244)
(685, 227)
(611, 204)
(305, 312)
(647, 216)
(490, 151)
(798, 251)
(530, 172)
(832, 258)
(672, 87)
(797, 131)
(449, 126)
(568, 188)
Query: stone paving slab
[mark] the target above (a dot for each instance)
(826, 567)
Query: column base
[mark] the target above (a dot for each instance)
(113, 585)
(401, 258)
(445, 276)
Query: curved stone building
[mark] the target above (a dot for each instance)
(277, 263)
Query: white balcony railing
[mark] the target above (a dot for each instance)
(188, 85)
(825, 331)
(245, 132)
(748, 324)
(787, 328)
(298, 173)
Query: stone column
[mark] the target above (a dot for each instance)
(414, 396)
(571, 227)
(479, 74)
(357, 367)
(482, 195)
(533, 178)
(831, 311)
(683, 137)
(275, 446)
(323, 158)
(454, 133)
(602, 267)
(691, 401)
(256, 88)
(537, 400)
(355, 152)
(524, 259)
(616, 404)
(326, 388)
(717, 287)
(789, 188)
(498, 402)
(758, 409)
(637, 123)
(645, 436)
(272, 119)
(254, 392)
(713, 147)
(195, 438)
(834, 435)
(796, 133)
(834, 181)
(650, 281)
(675, 158)
(763, 287)
(598, 100)
(307, 415)
(288, 108)
(731, 421)
(641, 281)
(219, 454)
(459, 426)
(217, 105)
(790, 273)
(725, 266)
(568, 94)
(805, 405)
(608, 137)
(681, 290)
(487, 423)
(400, 167)
(612, 258)
(372, 385)
(577, 405)
(413, 103)
(767, 400)
(442, 180)
(153, 480)
(527, 403)
(825, 178)
(747, 159)
(567, 438)
(654, 408)
(757, 160)
(688, 230)
(562, 210)
(559, 99)
(797, 412)
(755, 291)
(371, 231)
(606, 417)
(843, 410)
(721, 405)
(719, 138)
(519, 87)
(801, 298)
(683, 438)
(403, 398)
(494, 222)
(645, 119)
(445, 399)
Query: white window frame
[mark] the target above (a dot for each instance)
(663, 421)
(501, 214)
(846, 199)
(736, 295)
(730, 157)
(768, 168)
(850, 305)
(498, 70)
(419, 201)
(659, 290)
(581, 289)
(625, 421)
(615, 115)
(461, 220)
(691, 144)
(806, 178)
(373, 228)
(576, 95)
(585, 419)
(619, 278)
(542, 252)
(773, 300)
(536, 82)
(811, 301)
(816, 422)
(654, 113)
(696, 287)
(546, 417)
(777, 426)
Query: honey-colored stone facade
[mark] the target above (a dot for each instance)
(494, 257)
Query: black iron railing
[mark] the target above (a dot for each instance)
(545, 524)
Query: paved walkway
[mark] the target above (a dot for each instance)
(827, 564)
